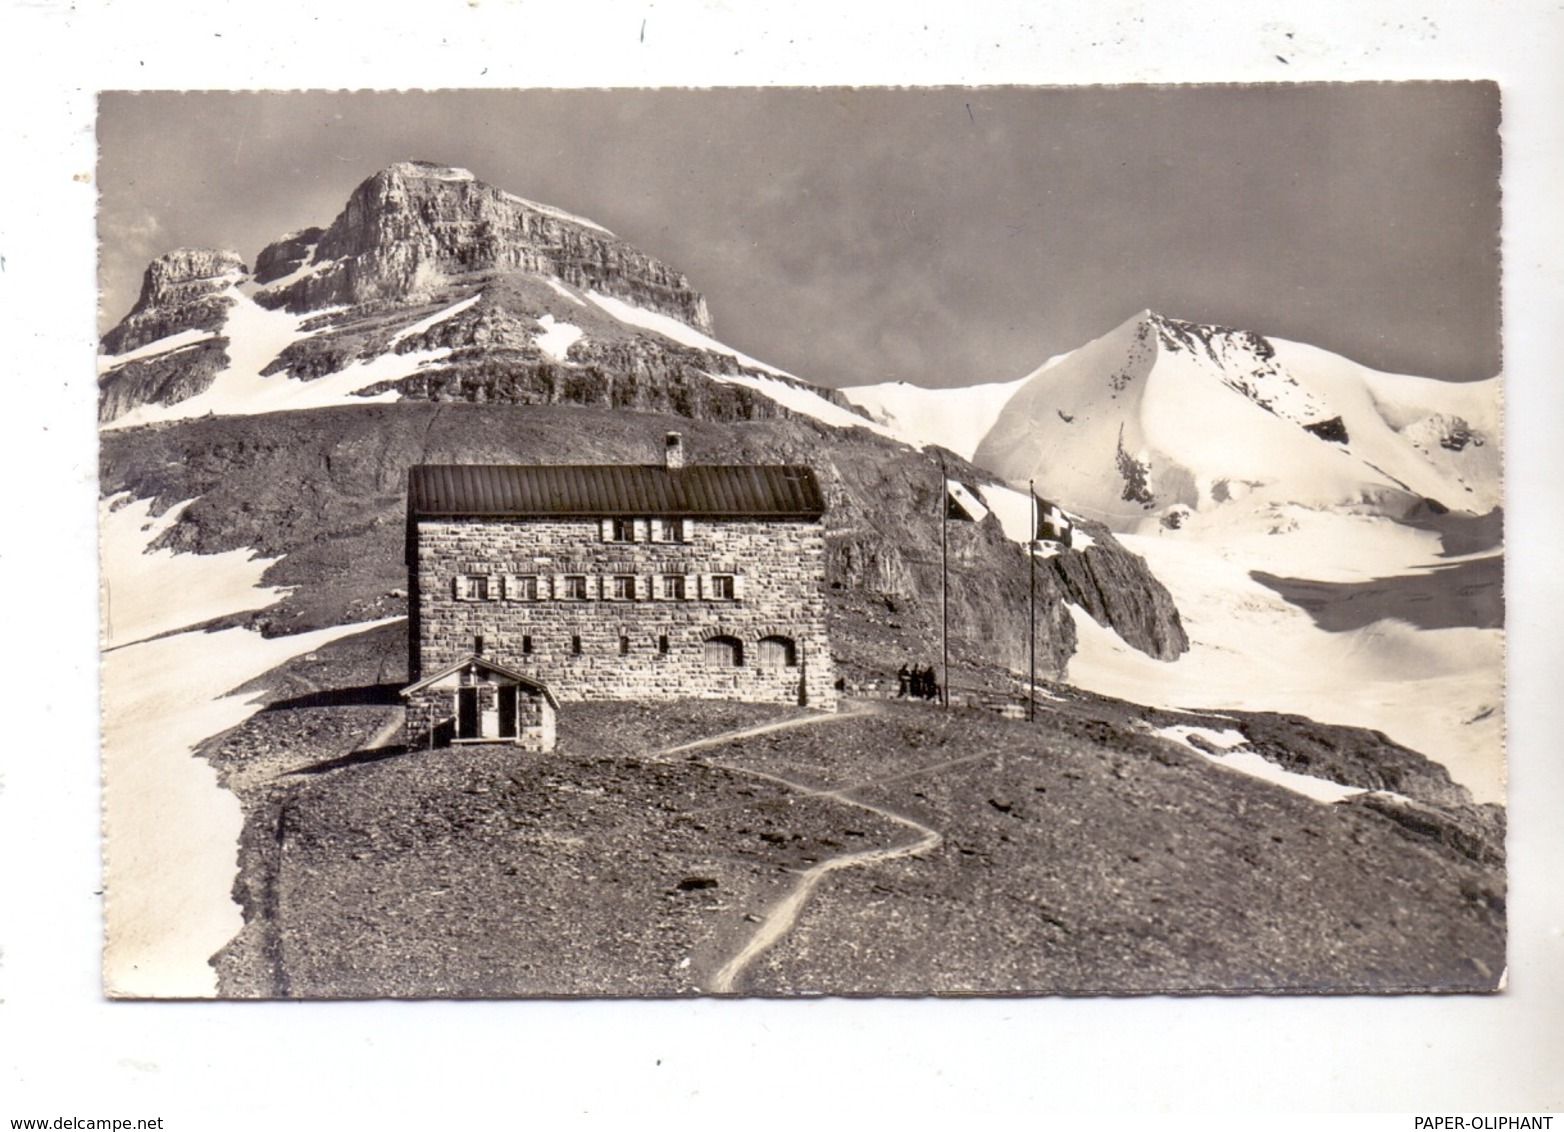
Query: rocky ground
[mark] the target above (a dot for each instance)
(1074, 854)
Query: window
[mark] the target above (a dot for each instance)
(778, 652)
(526, 645)
(575, 645)
(621, 530)
(670, 530)
(662, 645)
(624, 646)
(673, 587)
(472, 587)
(575, 587)
(724, 652)
(477, 646)
(624, 587)
(722, 587)
(522, 587)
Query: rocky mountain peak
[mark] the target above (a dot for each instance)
(416, 227)
(184, 273)
(181, 290)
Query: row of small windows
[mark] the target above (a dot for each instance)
(717, 652)
(646, 530)
(596, 587)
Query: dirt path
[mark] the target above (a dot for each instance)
(382, 737)
(784, 914)
(723, 737)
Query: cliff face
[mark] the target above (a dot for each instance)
(496, 351)
(287, 255)
(166, 379)
(181, 290)
(1120, 592)
(185, 297)
(414, 227)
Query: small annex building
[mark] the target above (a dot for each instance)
(478, 701)
(614, 582)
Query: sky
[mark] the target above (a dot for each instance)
(942, 236)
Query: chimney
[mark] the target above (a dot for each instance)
(673, 453)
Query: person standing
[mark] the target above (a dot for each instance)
(903, 682)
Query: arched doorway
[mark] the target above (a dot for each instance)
(778, 652)
(724, 652)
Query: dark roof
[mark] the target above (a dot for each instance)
(730, 491)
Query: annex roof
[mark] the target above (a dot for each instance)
(730, 491)
(525, 681)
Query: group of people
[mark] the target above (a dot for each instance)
(917, 682)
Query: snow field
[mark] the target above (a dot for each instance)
(164, 345)
(557, 337)
(670, 327)
(307, 268)
(787, 395)
(804, 401)
(429, 322)
(149, 592)
(1207, 432)
(955, 419)
(1234, 756)
(550, 210)
(170, 831)
(255, 337)
(1437, 691)
(565, 291)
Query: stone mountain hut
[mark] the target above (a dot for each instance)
(531, 582)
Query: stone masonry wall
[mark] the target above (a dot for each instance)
(431, 717)
(778, 570)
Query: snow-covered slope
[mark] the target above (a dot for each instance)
(254, 338)
(1160, 416)
(171, 832)
(1225, 458)
(1438, 691)
(954, 419)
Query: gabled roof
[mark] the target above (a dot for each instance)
(729, 491)
(525, 681)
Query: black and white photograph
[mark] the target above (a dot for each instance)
(949, 540)
(711, 565)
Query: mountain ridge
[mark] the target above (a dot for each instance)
(566, 312)
(411, 227)
(1160, 417)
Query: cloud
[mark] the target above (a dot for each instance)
(126, 244)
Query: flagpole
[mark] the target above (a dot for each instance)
(944, 584)
(1031, 609)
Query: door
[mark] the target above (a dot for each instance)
(467, 713)
(777, 652)
(724, 652)
(508, 712)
